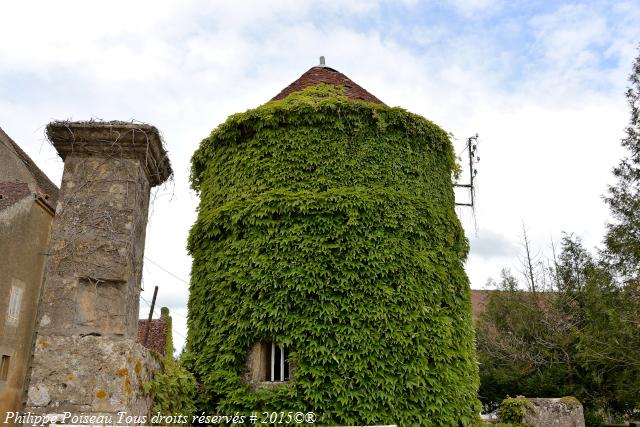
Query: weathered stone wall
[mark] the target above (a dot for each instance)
(90, 375)
(95, 263)
(560, 412)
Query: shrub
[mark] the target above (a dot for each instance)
(513, 410)
(173, 391)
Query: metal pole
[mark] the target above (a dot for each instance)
(153, 304)
(471, 154)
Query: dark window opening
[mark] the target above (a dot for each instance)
(278, 359)
(268, 364)
(4, 367)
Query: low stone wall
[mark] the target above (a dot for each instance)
(560, 412)
(90, 376)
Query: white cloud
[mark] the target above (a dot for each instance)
(490, 244)
(547, 142)
(471, 7)
(568, 34)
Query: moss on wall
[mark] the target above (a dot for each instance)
(328, 225)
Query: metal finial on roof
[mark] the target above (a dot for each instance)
(322, 64)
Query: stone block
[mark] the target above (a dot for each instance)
(559, 412)
(98, 235)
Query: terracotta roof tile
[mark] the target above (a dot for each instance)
(48, 189)
(157, 334)
(323, 74)
(479, 300)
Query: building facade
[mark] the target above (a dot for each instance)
(27, 206)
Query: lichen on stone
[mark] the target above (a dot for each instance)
(570, 401)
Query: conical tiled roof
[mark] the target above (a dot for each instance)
(324, 74)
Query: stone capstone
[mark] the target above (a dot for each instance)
(113, 139)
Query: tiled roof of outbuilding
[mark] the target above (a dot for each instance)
(48, 189)
(323, 74)
(157, 334)
(479, 300)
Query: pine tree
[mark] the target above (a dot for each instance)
(623, 235)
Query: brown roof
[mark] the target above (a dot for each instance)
(323, 74)
(48, 189)
(157, 334)
(479, 300)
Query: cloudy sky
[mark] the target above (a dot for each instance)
(541, 81)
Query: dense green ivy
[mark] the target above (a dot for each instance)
(328, 224)
(173, 389)
(168, 342)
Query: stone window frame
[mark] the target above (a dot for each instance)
(261, 364)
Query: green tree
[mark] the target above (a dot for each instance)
(582, 337)
(525, 345)
(623, 235)
(576, 340)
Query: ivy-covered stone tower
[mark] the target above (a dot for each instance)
(328, 263)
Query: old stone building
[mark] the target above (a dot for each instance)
(328, 262)
(27, 205)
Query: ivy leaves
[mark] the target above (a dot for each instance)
(328, 224)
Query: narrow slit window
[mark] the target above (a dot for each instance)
(4, 367)
(278, 363)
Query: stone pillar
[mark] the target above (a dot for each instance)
(86, 359)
